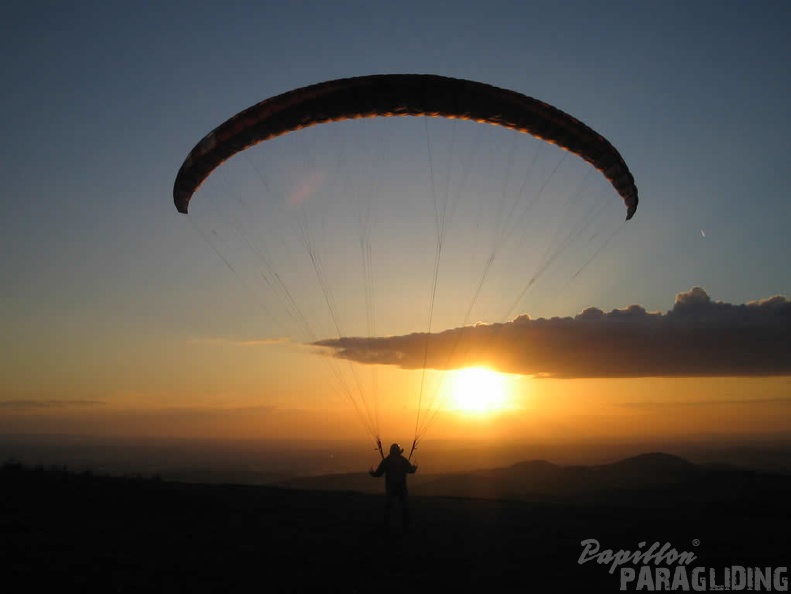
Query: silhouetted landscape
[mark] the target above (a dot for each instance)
(516, 527)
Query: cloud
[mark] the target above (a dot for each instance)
(697, 337)
(240, 342)
(47, 404)
(205, 412)
(709, 403)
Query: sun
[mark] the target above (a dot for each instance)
(478, 391)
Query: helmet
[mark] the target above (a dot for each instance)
(396, 449)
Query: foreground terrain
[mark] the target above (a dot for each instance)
(79, 532)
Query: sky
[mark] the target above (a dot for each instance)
(123, 317)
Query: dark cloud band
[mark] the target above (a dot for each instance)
(697, 337)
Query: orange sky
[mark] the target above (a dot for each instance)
(228, 397)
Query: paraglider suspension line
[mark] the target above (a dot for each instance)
(414, 447)
(379, 447)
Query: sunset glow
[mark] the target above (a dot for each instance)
(396, 277)
(478, 391)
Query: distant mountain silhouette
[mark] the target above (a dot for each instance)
(656, 460)
(651, 475)
(541, 480)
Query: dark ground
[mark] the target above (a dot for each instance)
(82, 533)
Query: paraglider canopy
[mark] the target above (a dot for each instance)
(324, 204)
(390, 95)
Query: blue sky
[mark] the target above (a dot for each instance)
(103, 100)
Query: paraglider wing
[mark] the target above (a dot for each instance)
(389, 95)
